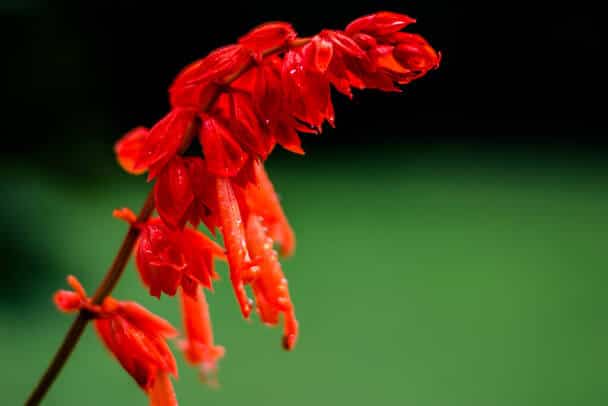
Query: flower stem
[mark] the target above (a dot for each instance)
(105, 288)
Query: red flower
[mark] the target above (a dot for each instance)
(134, 336)
(128, 150)
(224, 155)
(306, 90)
(195, 84)
(270, 286)
(167, 259)
(170, 135)
(199, 347)
(398, 56)
(181, 193)
(233, 231)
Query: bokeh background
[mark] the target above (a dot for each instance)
(452, 239)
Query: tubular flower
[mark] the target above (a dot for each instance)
(198, 346)
(263, 200)
(269, 285)
(167, 258)
(239, 102)
(133, 335)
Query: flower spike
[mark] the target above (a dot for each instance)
(238, 102)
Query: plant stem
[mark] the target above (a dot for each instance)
(105, 288)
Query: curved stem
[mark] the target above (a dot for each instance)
(105, 288)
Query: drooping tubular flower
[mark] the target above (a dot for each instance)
(134, 336)
(198, 346)
(269, 285)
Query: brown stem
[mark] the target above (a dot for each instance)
(122, 257)
(105, 288)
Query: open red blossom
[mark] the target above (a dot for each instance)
(198, 345)
(167, 259)
(134, 336)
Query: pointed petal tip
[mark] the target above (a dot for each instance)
(289, 342)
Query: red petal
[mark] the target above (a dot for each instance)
(125, 214)
(246, 124)
(343, 43)
(165, 140)
(145, 320)
(129, 148)
(201, 250)
(145, 254)
(204, 207)
(234, 240)
(318, 53)
(379, 24)
(288, 138)
(223, 154)
(142, 354)
(264, 201)
(173, 193)
(268, 36)
(199, 346)
(162, 393)
(160, 258)
(67, 301)
(214, 67)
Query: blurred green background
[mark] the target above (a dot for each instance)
(424, 275)
(451, 239)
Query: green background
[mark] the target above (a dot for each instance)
(424, 275)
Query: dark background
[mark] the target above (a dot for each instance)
(80, 74)
(451, 239)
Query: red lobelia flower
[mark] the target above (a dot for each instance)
(133, 335)
(198, 346)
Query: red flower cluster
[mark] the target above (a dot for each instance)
(240, 101)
